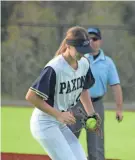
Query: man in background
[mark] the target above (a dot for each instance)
(105, 73)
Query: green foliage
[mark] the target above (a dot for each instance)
(6, 10)
(28, 48)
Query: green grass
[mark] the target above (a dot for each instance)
(16, 136)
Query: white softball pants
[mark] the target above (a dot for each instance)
(56, 138)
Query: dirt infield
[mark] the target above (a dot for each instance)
(17, 156)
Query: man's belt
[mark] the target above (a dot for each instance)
(96, 99)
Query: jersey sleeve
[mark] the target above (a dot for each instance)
(44, 86)
(113, 77)
(89, 80)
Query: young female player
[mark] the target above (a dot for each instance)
(62, 82)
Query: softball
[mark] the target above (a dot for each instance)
(91, 123)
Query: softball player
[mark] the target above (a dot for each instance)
(62, 82)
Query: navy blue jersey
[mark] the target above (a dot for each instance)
(60, 85)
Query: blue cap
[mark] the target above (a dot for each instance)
(82, 45)
(95, 31)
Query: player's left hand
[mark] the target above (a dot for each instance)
(98, 122)
(119, 115)
(97, 129)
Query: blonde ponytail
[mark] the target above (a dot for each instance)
(62, 48)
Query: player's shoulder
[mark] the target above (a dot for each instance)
(85, 62)
(55, 63)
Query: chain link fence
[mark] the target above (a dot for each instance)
(28, 47)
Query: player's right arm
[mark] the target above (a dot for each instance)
(41, 95)
(64, 117)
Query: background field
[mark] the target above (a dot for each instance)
(16, 136)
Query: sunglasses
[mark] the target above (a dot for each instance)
(95, 38)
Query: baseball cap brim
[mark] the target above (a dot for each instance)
(82, 45)
(94, 35)
(84, 49)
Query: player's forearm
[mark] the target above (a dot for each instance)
(117, 91)
(86, 101)
(41, 104)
